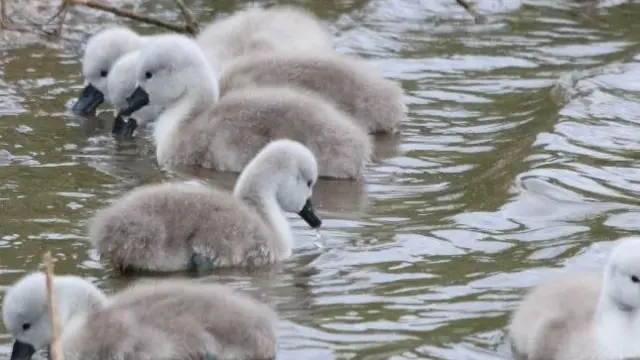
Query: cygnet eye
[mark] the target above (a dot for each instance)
(104, 73)
(309, 183)
(634, 279)
(26, 326)
(148, 75)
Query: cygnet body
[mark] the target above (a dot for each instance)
(279, 28)
(584, 317)
(101, 53)
(162, 319)
(377, 104)
(179, 226)
(121, 82)
(196, 129)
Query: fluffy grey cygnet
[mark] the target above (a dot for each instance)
(162, 319)
(196, 129)
(377, 104)
(177, 226)
(253, 31)
(584, 317)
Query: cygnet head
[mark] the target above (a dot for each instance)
(287, 170)
(101, 53)
(25, 314)
(121, 82)
(622, 275)
(172, 71)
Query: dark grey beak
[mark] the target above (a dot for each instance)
(123, 130)
(22, 351)
(89, 100)
(309, 215)
(136, 101)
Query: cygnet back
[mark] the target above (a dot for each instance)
(549, 313)
(232, 132)
(377, 104)
(177, 226)
(279, 28)
(174, 320)
(156, 228)
(102, 51)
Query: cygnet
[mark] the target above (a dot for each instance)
(24, 309)
(377, 104)
(196, 128)
(584, 317)
(162, 319)
(176, 226)
(276, 29)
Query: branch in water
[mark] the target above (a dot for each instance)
(191, 26)
(477, 17)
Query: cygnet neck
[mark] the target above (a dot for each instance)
(616, 326)
(259, 192)
(202, 92)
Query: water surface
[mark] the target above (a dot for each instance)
(520, 160)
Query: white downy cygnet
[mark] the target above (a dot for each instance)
(278, 28)
(162, 319)
(25, 315)
(102, 51)
(584, 317)
(176, 226)
(377, 104)
(197, 129)
(121, 83)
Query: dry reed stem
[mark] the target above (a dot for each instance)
(56, 353)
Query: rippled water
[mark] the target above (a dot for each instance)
(521, 158)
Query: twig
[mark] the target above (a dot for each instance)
(56, 353)
(188, 28)
(62, 12)
(191, 23)
(477, 17)
(62, 8)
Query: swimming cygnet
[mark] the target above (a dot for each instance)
(255, 30)
(162, 319)
(584, 317)
(101, 52)
(24, 309)
(178, 226)
(121, 83)
(195, 128)
(377, 104)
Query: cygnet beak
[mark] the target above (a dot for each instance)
(89, 100)
(123, 129)
(309, 215)
(22, 351)
(136, 101)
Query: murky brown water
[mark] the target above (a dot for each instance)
(522, 157)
